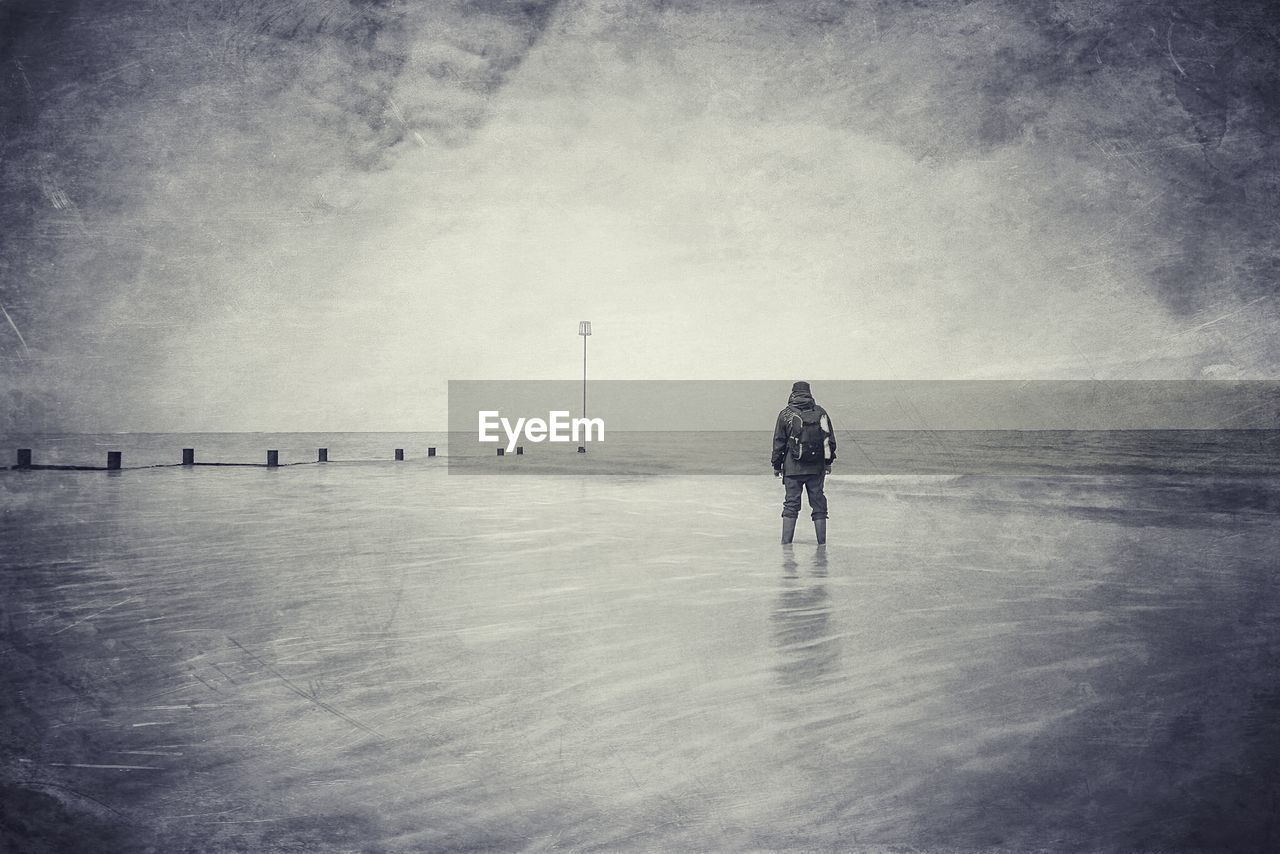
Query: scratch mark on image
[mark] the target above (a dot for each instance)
(25, 350)
(95, 614)
(301, 693)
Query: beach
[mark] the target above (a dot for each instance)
(387, 657)
(392, 393)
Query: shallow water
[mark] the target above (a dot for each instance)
(886, 453)
(387, 657)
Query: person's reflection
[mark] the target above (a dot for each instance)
(808, 650)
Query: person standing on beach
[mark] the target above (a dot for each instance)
(804, 447)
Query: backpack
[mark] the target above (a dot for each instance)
(808, 436)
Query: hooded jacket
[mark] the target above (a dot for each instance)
(801, 400)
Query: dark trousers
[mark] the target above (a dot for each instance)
(812, 483)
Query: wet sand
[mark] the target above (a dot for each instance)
(391, 658)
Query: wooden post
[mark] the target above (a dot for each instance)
(323, 455)
(188, 456)
(502, 452)
(113, 460)
(582, 449)
(431, 452)
(519, 450)
(273, 459)
(24, 458)
(399, 453)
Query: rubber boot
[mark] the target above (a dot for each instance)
(788, 529)
(820, 528)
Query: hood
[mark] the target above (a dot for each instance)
(800, 400)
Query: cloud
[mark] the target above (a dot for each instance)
(352, 202)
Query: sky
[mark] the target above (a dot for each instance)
(312, 215)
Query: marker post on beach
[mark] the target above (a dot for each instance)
(399, 453)
(113, 460)
(431, 452)
(584, 329)
(273, 459)
(323, 455)
(24, 458)
(188, 456)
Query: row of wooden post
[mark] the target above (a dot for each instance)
(114, 458)
(273, 456)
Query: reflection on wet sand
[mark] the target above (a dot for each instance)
(807, 648)
(307, 660)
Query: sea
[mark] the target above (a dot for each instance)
(1010, 642)
(870, 452)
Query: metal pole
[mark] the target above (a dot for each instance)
(584, 329)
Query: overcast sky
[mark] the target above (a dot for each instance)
(312, 215)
